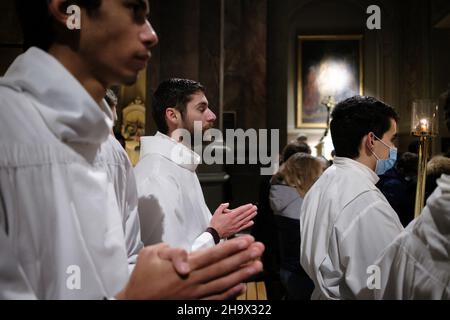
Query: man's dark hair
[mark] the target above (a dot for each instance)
(356, 117)
(293, 148)
(407, 164)
(173, 93)
(37, 23)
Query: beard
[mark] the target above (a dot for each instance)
(190, 127)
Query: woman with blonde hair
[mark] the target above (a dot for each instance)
(289, 187)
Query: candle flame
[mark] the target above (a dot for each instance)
(424, 127)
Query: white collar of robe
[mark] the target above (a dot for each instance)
(167, 147)
(356, 166)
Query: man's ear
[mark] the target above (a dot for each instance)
(370, 140)
(173, 117)
(58, 10)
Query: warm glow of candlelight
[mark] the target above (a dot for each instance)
(424, 127)
(424, 118)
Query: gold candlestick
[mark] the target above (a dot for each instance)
(423, 125)
(424, 146)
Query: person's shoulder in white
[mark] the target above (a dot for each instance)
(20, 123)
(154, 163)
(112, 152)
(157, 174)
(416, 265)
(348, 197)
(152, 166)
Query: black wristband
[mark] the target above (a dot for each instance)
(214, 234)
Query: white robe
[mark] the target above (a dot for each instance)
(345, 223)
(417, 264)
(172, 208)
(59, 212)
(13, 283)
(113, 159)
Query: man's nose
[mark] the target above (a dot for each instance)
(210, 116)
(148, 35)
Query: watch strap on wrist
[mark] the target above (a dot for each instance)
(214, 234)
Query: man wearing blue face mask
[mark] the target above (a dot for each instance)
(384, 165)
(345, 221)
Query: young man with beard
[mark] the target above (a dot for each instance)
(172, 208)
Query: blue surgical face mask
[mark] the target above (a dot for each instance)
(384, 165)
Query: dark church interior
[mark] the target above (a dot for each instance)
(282, 66)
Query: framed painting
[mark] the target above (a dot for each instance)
(330, 69)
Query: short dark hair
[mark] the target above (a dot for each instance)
(37, 23)
(356, 117)
(407, 164)
(173, 93)
(293, 148)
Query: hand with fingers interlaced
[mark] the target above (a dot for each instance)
(216, 273)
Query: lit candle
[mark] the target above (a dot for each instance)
(424, 127)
